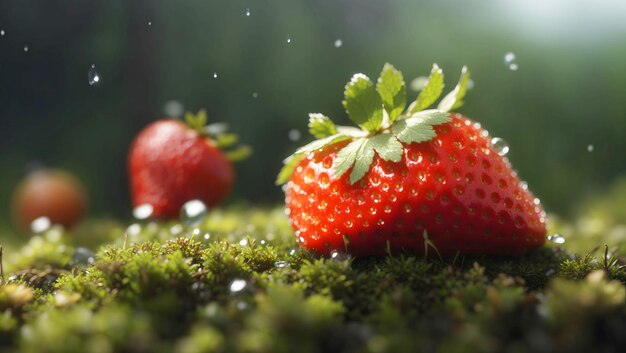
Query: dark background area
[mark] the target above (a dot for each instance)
(281, 62)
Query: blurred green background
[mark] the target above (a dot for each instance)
(263, 72)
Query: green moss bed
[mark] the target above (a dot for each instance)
(238, 282)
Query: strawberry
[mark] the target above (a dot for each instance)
(407, 180)
(171, 162)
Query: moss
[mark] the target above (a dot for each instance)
(238, 283)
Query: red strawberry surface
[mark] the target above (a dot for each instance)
(171, 163)
(449, 192)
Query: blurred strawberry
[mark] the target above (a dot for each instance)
(171, 162)
(52, 193)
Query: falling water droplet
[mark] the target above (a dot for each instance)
(338, 43)
(470, 84)
(237, 285)
(93, 76)
(509, 61)
(215, 75)
(281, 264)
(26, 48)
(173, 108)
(288, 40)
(40, 224)
(294, 135)
(556, 238)
(248, 12)
(2, 32)
(255, 95)
(500, 146)
(419, 83)
(589, 148)
(193, 212)
(143, 211)
(149, 23)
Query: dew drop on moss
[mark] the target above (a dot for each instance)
(238, 285)
(40, 225)
(339, 256)
(556, 238)
(193, 212)
(281, 264)
(83, 256)
(143, 211)
(500, 146)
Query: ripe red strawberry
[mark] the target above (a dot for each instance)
(171, 162)
(418, 180)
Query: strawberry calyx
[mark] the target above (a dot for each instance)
(217, 135)
(384, 124)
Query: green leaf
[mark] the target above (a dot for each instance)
(289, 166)
(415, 133)
(454, 99)
(419, 127)
(317, 144)
(239, 154)
(362, 103)
(347, 156)
(321, 126)
(226, 140)
(364, 158)
(429, 117)
(196, 121)
(430, 93)
(387, 147)
(391, 89)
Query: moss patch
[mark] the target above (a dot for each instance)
(239, 283)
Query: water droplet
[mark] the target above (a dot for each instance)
(176, 229)
(338, 43)
(149, 23)
(237, 285)
(193, 212)
(556, 238)
(2, 32)
(590, 148)
(281, 264)
(470, 84)
(523, 185)
(419, 83)
(93, 76)
(83, 256)
(500, 145)
(509, 61)
(133, 229)
(294, 135)
(339, 256)
(255, 95)
(215, 75)
(293, 252)
(40, 224)
(173, 108)
(243, 242)
(26, 48)
(248, 12)
(143, 211)
(288, 40)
